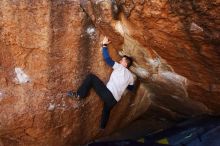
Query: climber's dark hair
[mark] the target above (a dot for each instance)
(129, 60)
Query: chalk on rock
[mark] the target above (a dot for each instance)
(195, 27)
(1, 95)
(21, 77)
(51, 106)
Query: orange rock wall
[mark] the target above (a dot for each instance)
(48, 47)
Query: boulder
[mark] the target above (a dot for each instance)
(48, 48)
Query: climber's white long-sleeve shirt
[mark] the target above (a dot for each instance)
(119, 80)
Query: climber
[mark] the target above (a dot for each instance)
(120, 79)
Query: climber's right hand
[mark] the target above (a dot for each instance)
(105, 41)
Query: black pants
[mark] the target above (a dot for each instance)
(102, 91)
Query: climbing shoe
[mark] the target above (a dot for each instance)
(73, 94)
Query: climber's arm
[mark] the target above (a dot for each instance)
(106, 56)
(130, 88)
(105, 53)
(133, 84)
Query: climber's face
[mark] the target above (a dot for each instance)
(123, 62)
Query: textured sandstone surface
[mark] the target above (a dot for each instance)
(48, 47)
